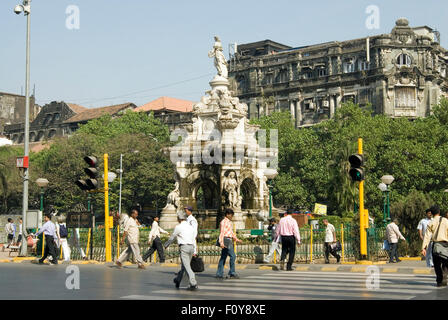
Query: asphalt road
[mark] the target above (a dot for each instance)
(28, 281)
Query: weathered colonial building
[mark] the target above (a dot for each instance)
(12, 109)
(401, 74)
(49, 123)
(58, 119)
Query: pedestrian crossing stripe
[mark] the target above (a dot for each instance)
(296, 285)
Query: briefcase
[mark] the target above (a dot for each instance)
(197, 264)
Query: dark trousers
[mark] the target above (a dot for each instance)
(49, 250)
(156, 245)
(288, 247)
(393, 253)
(328, 250)
(440, 268)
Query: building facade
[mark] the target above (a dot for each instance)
(59, 119)
(12, 109)
(400, 74)
(49, 123)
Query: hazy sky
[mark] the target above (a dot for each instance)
(139, 50)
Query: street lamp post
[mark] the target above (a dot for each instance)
(25, 7)
(42, 183)
(270, 174)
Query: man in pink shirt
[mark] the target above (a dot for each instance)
(289, 232)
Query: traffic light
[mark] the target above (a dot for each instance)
(92, 172)
(356, 170)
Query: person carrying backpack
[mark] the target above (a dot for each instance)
(62, 233)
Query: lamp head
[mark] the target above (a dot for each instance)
(388, 179)
(18, 9)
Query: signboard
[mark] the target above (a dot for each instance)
(33, 219)
(22, 162)
(79, 220)
(320, 209)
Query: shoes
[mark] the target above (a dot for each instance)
(398, 260)
(282, 265)
(441, 284)
(233, 276)
(118, 264)
(264, 261)
(338, 260)
(141, 266)
(193, 288)
(177, 283)
(392, 262)
(162, 261)
(219, 277)
(327, 262)
(289, 269)
(53, 263)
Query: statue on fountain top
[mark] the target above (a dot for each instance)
(220, 59)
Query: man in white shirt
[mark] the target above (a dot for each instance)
(330, 240)
(131, 231)
(422, 225)
(62, 233)
(9, 230)
(49, 232)
(186, 239)
(393, 235)
(192, 222)
(154, 240)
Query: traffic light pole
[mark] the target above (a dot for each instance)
(106, 210)
(362, 213)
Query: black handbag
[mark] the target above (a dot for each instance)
(197, 264)
(440, 249)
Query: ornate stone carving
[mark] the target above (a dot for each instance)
(173, 200)
(231, 190)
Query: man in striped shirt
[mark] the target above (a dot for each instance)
(289, 232)
(226, 238)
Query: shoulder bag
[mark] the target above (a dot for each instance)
(440, 248)
(197, 264)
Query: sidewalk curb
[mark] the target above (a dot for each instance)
(343, 267)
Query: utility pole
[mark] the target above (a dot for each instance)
(26, 9)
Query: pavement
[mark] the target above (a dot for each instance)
(106, 282)
(406, 266)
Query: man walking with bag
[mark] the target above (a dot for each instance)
(437, 231)
(49, 232)
(185, 235)
(330, 242)
(226, 238)
(275, 241)
(289, 232)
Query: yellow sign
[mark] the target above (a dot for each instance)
(320, 209)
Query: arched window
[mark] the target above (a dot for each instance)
(40, 136)
(51, 134)
(404, 60)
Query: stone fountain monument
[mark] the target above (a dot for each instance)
(219, 162)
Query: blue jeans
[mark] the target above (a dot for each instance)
(224, 253)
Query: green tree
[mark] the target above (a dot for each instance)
(147, 174)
